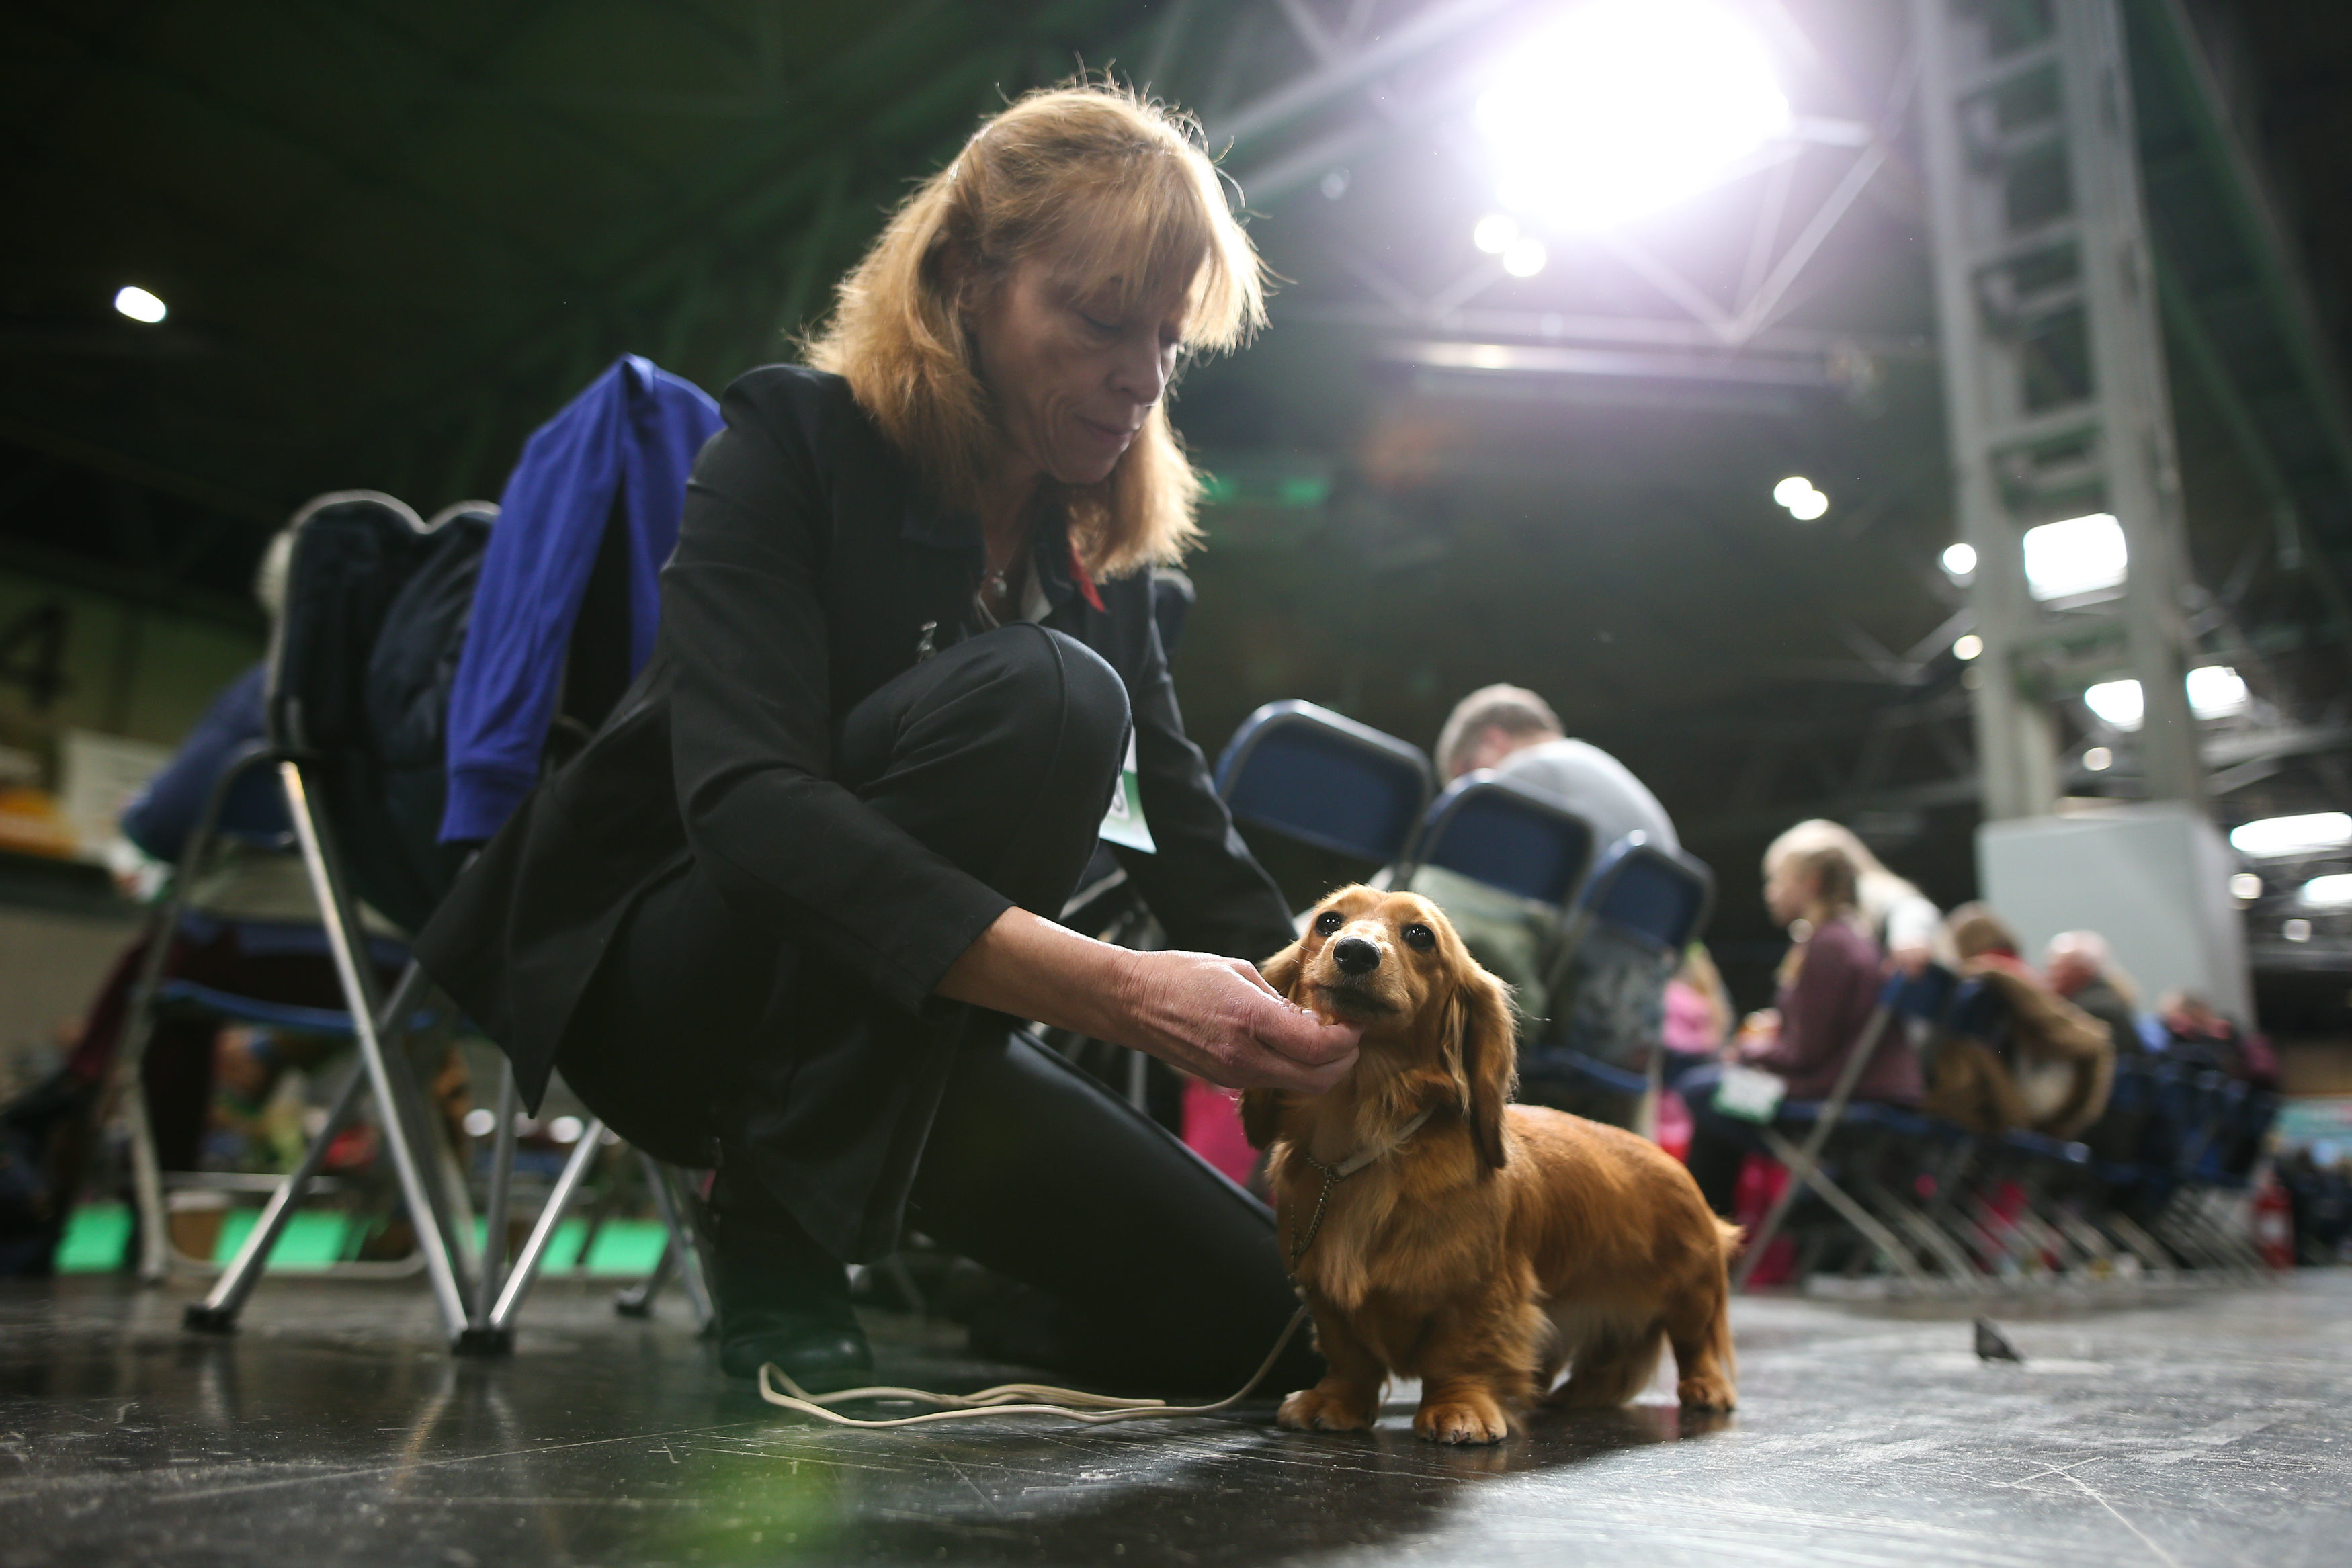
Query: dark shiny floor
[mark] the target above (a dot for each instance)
(2214, 1427)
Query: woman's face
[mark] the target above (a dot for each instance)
(1788, 890)
(1073, 376)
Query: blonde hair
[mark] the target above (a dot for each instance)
(1878, 889)
(1115, 188)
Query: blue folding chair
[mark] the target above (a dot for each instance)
(1504, 835)
(1312, 775)
(1655, 899)
(1660, 896)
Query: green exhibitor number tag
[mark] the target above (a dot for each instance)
(1123, 824)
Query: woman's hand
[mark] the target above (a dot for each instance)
(1216, 1018)
(1759, 1031)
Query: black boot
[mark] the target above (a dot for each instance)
(781, 1297)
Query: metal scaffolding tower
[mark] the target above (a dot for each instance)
(2053, 377)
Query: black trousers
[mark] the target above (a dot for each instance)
(999, 754)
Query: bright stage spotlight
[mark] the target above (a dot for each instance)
(1494, 233)
(1627, 106)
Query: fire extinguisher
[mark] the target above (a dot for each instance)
(2274, 1222)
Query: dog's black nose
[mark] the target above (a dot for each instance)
(1355, 956)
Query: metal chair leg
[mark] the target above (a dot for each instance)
(494, 1218)
(683, 1253)
(543, 1233)
(1853, 1213)
(344, 941)
(1931, 1238)
(638, 1300)
(139, 1020)
(216, 1313)
(1802, 1163)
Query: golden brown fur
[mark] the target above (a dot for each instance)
(1499, 1243)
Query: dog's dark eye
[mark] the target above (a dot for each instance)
(1327, 922)
(1419, 937)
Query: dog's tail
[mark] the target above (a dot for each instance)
(1728, 1235)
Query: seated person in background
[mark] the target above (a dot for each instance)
(1829, 988)
(2080, 968)
(1697, 1024)
(1604, 1001)
(1897, 915)
(2200, 1037)
(1698, 1016)
(2051, 1068)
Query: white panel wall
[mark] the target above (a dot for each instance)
(2153, 879)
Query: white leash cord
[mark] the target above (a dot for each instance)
(1008, 1398)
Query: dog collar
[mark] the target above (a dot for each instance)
(1334, 1175)
(1357, 1162)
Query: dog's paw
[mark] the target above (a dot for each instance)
(1317, 1410)
(1708, 1391)
(1462, 1418)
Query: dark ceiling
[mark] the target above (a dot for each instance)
(395, 237)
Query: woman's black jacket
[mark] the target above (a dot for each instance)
(808, 563)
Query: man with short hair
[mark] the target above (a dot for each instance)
(1608, 1007)
(2082, 969)
(1515, 732)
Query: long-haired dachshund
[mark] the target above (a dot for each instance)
(1440, 1232)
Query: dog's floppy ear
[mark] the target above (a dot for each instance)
(1261, 1116)
(1488, 1049)
(1281, 971)
(1262, 1108)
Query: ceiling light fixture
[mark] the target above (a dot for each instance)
(1960, 560)
(138, 305)
(1525, 256)
(1804, 503)
(2216, 691)
(2120, 702)
(2326, 892)
(2079, 555)
(2275, 838)
(1968, 647)
(1627, 106)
